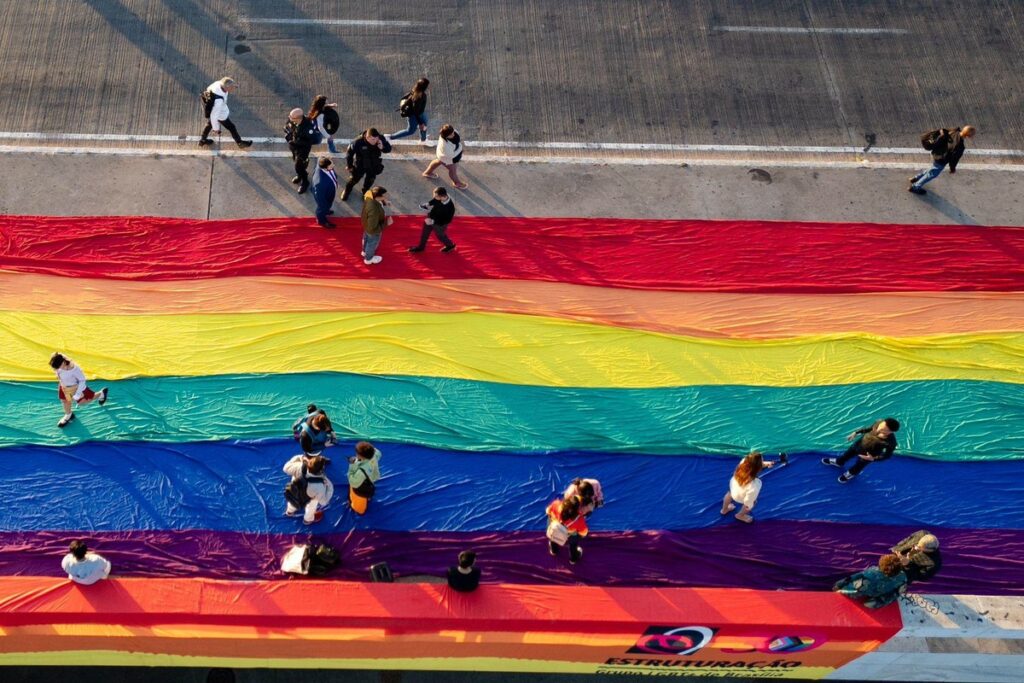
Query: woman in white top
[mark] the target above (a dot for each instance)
(744, 486)
(71, 387)
(449, 154)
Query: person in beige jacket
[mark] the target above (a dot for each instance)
(448, 154)
(375, 218)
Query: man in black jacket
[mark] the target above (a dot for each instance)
(919, 554)
(946, 146)
(299, 132)
(363, 159)
(870, 444)
(440, 212)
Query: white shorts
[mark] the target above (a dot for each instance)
(745, 495)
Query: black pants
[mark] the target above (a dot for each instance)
(440, 230)
(573, 543)
(357, 175)
(852, 452)
(227, 124)
(300, 155)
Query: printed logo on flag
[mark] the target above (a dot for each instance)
(673, 640)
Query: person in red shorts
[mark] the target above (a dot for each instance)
(71, 387)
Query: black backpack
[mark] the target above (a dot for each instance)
(405, 105)
(367, 489)
(331, 121)
(295, 492)
(322, 559)
(209, 98)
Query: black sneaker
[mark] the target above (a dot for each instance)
(445, 250)
(302, 188)
(296, 180)
(830, 461)
(917, 190)
(242, 144)
(344, 196)
(846, 477)
(573, 559)
(415, 250)
(103, 395)
(205, 142)
(552, 549)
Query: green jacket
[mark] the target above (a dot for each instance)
(374, 217)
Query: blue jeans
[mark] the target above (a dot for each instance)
(414, 123)
(370, 244)
(925, 177)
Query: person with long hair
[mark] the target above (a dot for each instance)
(325, 115)
(875, 586)
(744, 487)
(448, 154)
(564, 515)
(414, 108)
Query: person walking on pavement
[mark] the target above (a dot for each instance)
(309, 489)
(72, 388)
(449, 154)
(872, 444)
(325, 117)
(325, 185)
(413, 107)
(363, 475)
(299, 132)
(363, 160)
(745, 486)
(946, 146)
(216, 112)
(375, 218)
(440, 212)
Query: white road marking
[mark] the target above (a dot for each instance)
(514, 144)
(332, 22)
(807, 30)
(508, 159)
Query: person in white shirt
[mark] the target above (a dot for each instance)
(71, 387)
(589, 492)
(744, 487)
(310, 489)
(215, 109)
(449, 154)
(84, 567)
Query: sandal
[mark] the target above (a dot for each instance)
(729, 509)
(428, 175)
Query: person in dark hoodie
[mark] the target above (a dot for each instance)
(440, 212)
(363, 160)
(872, 444)
(946, 146)
(300, 133)
(919, 555)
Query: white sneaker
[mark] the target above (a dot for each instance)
(373, 261)
(363, 254)
(428, 143)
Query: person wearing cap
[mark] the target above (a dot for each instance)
(919, 554)
(300, 133)
(310, 489)
(71, 387)
(872, 444)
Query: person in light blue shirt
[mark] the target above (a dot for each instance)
(84, 567)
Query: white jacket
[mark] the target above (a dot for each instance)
(447, 150)
(220, 106)
(86, 571)
(73, 378)
(319, 494)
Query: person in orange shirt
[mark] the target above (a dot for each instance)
(566, 525)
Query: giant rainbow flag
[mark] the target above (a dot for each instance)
(647, 354)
